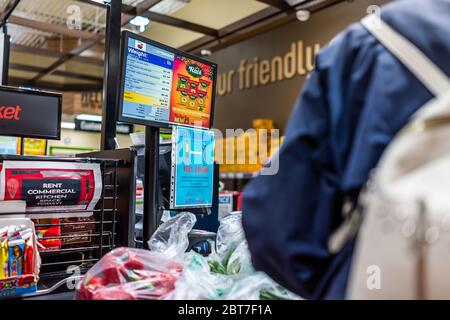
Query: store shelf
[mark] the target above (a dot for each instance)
(238, 175)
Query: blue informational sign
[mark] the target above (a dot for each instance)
(192, 168)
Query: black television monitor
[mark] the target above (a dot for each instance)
(30, 113)
(162, 86)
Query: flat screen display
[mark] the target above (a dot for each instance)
(192, 168)
(30, 113)
(162, 86)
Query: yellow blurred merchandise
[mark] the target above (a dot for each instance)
(248, 151)
(32, 146)
(263, 124)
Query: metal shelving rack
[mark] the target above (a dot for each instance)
(54, 267)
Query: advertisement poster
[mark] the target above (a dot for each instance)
(8, 145)
(33, 147)
(52, 186)
(192, 91)
(192, 168)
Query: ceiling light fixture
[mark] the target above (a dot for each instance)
(140, 22)
(303, 15)
(206, 52)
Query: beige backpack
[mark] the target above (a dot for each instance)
(403, 245)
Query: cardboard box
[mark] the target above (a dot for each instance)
(228, 203)
(24, 284)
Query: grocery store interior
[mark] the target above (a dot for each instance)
(129, 130)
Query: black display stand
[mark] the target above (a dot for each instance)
(5, 66)
(111, 75)
(151, 183)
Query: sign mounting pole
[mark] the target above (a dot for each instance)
(4, 55)
(111, 74)
(151, 183)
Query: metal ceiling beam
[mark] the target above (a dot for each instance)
(174, 22)
(146, 5)
(280, 4)
(142, 10)
(16, 81)
(140, 7)
(249, 27)
(239, 28)
(93, 3)
(50, 27)
(241, 24)
(60, 73)
(66, 57)
(9, 8)
(125, 8)
(53, 53)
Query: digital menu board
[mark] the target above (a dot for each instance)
(162, 86)
(192, 168)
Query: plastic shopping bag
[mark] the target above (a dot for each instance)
(171, 238)
(231, 256)
(129, 274)
(258, 286)
(197, 282)
(230, 234)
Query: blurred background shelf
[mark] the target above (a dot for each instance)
(238, 175)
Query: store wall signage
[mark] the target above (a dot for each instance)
(94, 126)
(262, 76)
(30, 113)
(298, 61)
(10, 112)
(192, 168)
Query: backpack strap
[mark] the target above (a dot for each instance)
(430, 75)
(433, 78)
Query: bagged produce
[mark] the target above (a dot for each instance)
(136, 274)
(258, 286)
(230, 234)
(197, 282)
(235, 261)
(239, 261)
(129, 274)
(231, 256)
(168, 272)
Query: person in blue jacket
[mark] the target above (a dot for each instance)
(354, 102)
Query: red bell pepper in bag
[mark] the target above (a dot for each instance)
(113, 293)
(129, 274)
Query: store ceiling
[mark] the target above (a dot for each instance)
(43, 31)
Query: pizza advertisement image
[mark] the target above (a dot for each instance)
(191, 94)
(52, 186)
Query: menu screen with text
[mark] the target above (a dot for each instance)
(166, 87)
